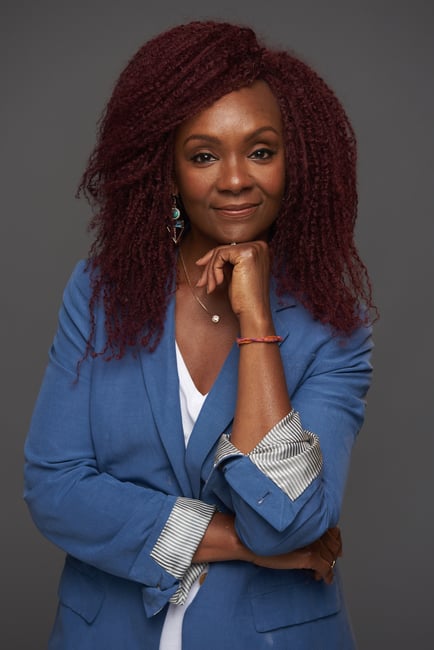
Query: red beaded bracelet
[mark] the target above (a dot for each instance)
(262, 339)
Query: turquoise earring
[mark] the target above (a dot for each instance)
(177, 227)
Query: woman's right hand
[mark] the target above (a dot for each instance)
(319, 556)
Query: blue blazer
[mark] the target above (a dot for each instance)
(105, 462)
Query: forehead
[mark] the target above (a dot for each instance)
(251, 107)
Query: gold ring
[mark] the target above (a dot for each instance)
(332, 565)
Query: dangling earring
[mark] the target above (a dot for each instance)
(177, 227)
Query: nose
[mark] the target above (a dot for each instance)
(234, 175)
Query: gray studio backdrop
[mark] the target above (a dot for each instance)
(58, 63)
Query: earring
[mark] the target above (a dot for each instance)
(177, 227)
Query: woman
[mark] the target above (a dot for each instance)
(192, 437)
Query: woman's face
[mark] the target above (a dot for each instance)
(230, 167)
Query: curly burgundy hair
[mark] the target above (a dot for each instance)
(130, 172)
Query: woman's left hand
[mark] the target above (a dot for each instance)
(320, 557)
(246, 268)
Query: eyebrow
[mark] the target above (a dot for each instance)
(215, 140)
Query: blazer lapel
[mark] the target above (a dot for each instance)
(215, 417)
(162, 384)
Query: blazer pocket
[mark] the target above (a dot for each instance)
(80, 590)
(293, 600)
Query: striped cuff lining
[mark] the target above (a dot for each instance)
(192, 573)
(181, 535)
(289, 455)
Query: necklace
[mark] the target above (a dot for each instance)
(215, 318)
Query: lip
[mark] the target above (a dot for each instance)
(237, 209)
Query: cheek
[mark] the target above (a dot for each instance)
(193, 186)
(275, 183)
(274, 177)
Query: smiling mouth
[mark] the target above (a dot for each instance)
(237, 210)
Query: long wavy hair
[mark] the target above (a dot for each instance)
(129, 177)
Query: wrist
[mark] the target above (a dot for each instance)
(256, 326)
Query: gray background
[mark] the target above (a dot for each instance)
(58, 63)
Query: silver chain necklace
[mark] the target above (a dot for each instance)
(215, 318)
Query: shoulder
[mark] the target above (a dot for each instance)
(309, 336)
(74, 313)
(79, 290)
(78, 286)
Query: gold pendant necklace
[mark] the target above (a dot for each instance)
(215, 318)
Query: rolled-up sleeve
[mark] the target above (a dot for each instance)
(178, 541)
(289, 455)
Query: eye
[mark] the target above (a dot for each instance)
(264, 153)
(203, 157)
